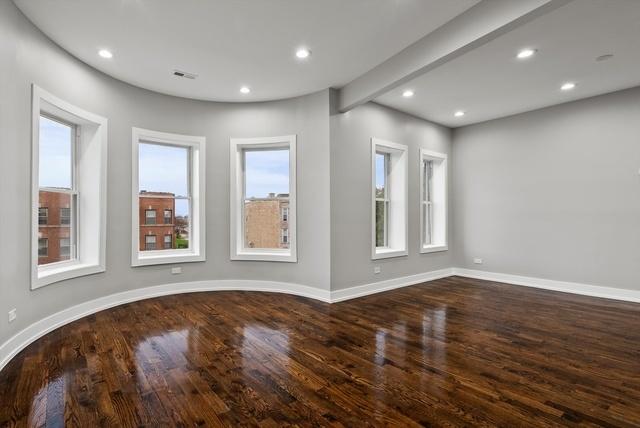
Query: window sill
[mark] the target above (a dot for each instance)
(433, 248)
(60, 272)
(387, 253)
(266, 256)
(163, 257)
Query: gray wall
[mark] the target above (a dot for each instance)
(27, 56)
(553, 193)
(351, 134)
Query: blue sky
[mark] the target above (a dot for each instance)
(55, 154)
(379, 171)
(267, 171)
(165, 169)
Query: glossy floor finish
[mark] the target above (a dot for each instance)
(453, 352)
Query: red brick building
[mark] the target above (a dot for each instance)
(157, 221)
(54, 227)
(267, 222)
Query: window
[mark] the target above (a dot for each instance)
(433, 201)
(150, 242)
(284, 238)
(69, 187)
(263, 195)
(168, 178)
(389, 196)
(43, 216)
(65, 248)
(65, 216)
(43, 247)
(150, 217)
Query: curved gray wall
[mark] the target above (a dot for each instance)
(26, 57)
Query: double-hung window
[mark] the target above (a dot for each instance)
(168, 180)
(69, 155)
(433, 201)
(388, 199)
(263, 195)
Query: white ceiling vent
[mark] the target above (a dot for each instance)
(184, 74)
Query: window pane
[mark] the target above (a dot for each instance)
(54, 226)
(55, 154)
(266, 173)
(163, 191)
(428, 223)
(381, 179)
(182, 222)
(266, 205)
(43, 247)
(381, 224)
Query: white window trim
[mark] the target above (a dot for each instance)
(88, 261)
(439, 157)
(397, 196)
(236, 179)
(197, 236)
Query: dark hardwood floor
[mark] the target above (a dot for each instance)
(453, 352)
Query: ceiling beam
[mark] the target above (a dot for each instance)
(471, 29)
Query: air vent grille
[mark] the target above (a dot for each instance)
(185, 74)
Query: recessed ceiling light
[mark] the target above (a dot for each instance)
(568, 86)
(245, 90)
(105, 53)
(526, 53)
(303, 53)
(459, 113)
(408, 93)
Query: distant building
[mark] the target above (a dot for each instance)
(54, 227)
(157, 221)
(267, 222)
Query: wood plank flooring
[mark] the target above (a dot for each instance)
(453, 352)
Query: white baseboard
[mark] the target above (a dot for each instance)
(390, 284)
(549, 284)
(38, 329)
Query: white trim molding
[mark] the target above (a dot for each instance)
(388, 285)
(197, 191)
(550, 284)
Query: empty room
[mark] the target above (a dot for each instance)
(349, 213)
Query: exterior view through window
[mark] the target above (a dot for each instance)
(382, 199)
(427, 201)
(164, 197)
(57, 197)
(266, 198)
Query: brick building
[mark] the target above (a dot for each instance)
(54, 227)
(157, 221)
(267, 222)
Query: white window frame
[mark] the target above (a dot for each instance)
(236, 159)
(197, 183)
(89, 181)
(439, 206)
(397, 193)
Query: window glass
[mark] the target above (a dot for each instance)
(57, 195)
(168, 242)
(382, 199)
(266, 196)
(164, 188)
(43, 247)
(150, 242)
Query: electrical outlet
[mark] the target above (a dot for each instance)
(477, 261)
(12, 315)
(376, 269)
(176, 270)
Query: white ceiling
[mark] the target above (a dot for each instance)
(489, 82)
(230, 43)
